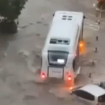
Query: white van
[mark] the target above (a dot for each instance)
(60, 55)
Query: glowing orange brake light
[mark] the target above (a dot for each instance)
(43, 75)
(69, 77)
(81, 44)
(82, 47)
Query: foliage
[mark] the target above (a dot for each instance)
(11, 9)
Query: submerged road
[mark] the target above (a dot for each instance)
(20, 54)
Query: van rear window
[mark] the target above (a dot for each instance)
(53, 41)
(54, 57)
(59, 41)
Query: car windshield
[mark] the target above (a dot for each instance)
(57, 58)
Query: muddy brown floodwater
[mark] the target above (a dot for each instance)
(20, 55)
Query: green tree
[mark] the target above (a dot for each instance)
(11, 9)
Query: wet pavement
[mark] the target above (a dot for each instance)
(20, 55)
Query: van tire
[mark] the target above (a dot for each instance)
(74, 64)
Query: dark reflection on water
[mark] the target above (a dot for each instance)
(4, 42)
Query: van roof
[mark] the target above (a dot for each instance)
(93, 89)
(63, 29)
(68, 13)
(64, 25)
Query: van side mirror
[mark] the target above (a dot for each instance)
(53, 14)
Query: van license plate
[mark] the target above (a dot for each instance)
(55, 72)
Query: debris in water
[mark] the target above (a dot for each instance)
(24, 52)
(90, 75)
(4, 54)
(96, 50)
(96, 38)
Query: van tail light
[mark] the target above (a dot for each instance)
(43, 76)
(82, 47)
(81, 44)
(69, 77)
